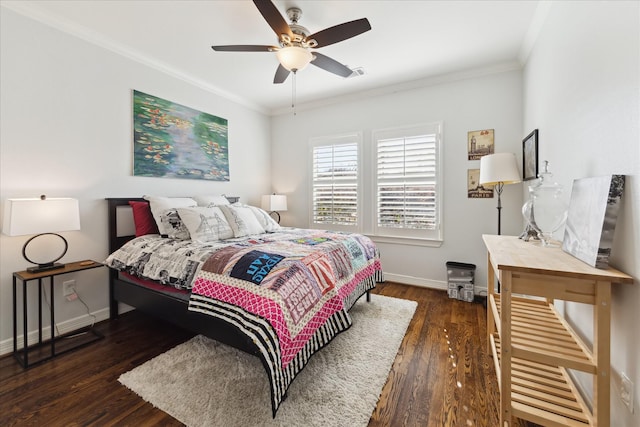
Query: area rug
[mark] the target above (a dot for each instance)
(204, 383)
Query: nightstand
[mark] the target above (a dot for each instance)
(36, 353)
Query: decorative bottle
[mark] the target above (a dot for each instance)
(546, 209)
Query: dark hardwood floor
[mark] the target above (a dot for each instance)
(442, 375)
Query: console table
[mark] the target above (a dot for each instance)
(26, 355)
(532, 345)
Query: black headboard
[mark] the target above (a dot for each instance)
(117, 239)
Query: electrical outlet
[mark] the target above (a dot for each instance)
(68, 287)
(626, 391)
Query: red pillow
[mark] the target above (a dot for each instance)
(143, 219)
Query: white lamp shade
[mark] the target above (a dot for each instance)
(294, 58)
(35, 216)
(274, 203)
(499, 168)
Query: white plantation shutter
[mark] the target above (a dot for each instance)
(335, 175)
(389, 188)
(407, 182)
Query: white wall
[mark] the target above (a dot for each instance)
(486, 101)
(66, 131)
(582, 91)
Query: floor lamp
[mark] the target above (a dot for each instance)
(497, 170)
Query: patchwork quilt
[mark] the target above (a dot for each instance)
(290, 291)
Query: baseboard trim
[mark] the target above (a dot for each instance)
(415, 281)
(6, 346)
(478, 289)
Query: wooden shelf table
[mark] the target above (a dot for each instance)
(533, 346)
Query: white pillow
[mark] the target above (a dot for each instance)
(206, 224)
(242, 220)
(211, 200)
(167, 218)
(266, 221)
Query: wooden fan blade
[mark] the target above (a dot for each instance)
(331, 65)
(281, 75)
(273, 17)
(340, 32)
(244, 48)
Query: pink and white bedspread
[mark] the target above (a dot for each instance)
(289, 292)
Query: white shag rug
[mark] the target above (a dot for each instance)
(204, 383)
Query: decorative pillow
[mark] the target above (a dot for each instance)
(166, 216)
(242, 220)
(266, 221)
(175, 228)
(211, 200)
(205, 224)
(143, 219)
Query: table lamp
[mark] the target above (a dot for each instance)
(41, 216)
(273, 203)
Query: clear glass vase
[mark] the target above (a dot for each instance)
(546, 209)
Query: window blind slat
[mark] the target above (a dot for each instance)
(335, 188)
(406, 182)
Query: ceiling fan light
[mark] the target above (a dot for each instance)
(294, 58)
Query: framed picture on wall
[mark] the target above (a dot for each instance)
(479, 143)
(171, 140)
(475, 190)
(530, 156)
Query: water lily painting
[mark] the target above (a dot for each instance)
(174, 141)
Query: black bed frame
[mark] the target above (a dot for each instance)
(158, 304)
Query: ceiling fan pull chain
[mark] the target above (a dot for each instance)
(293, 92)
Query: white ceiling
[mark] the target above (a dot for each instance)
(409, 41)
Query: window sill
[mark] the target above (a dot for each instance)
(432, 243)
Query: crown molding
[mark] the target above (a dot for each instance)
(60, 23)
(533, 32)
(403, 87)
(83, 33)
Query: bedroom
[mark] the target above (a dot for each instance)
(66, 113)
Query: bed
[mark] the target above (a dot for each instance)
(281, 294)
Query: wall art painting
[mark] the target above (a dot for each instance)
(591, 220)
(530, 156)
(476, 190)
(174, 141)
(479, 143)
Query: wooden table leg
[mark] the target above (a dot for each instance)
(601, 354)
(491, 326)
(505, 340)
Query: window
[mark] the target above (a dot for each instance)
(335, 182)
(387, 187)
(407, 199)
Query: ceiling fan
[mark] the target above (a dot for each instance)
(295, 42)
